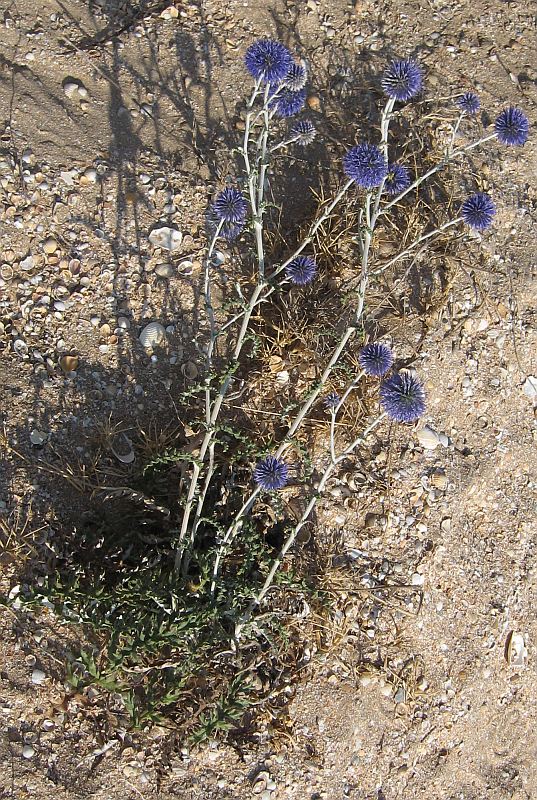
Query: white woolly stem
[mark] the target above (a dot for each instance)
(441, 165)
(417, 242)
(258, 599)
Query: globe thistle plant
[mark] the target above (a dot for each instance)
(376, 359)
(230, 206)
(402, 79)
(478, 210)
(402, 397)
(512, 126)
(397, 179)
(271, 474)
(295, 80)
(366, 165)
(401, 394)
(268, 60)
(301, 270)
(304, 132)
(288, 103)
(469, 103)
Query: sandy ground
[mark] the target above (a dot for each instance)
(449, 716)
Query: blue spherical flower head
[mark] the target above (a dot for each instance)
(512, 126)
(271, 473)
(301, 270)
(478, 210)
(375, 359)
(296, 78)
(402, 396)
(304, 131)
(230, 206)
(288, 103)
(469, 103)
(268, 60)
(229, 231)
(397, 179)
(366, 165)
(402, 79)
(331, 401)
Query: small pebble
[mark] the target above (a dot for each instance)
(90, 174)
(164, 270)
(28, 751)
(38, 438)
(38, 676)
(167, 238)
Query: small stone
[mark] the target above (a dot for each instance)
(167, 238)
(38, 438)
(69, 363)
(164, 270)
(20, 347)
(189, 370)
(314, 102)
(169, 13)
(67, 177)
(38, 676)
(50, 245)
(28, 751)
(417, 579)
(530, 388)
(59, 305)
(27, 263)
(400, 695)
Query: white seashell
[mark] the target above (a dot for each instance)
(218, 258)
(152, 335)
(516, 651)
(70, 88)
(530, 388)
(125, 458)
(165, 237)
(91, 174)
(186, 267)
(428, 438)
(38, 676)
